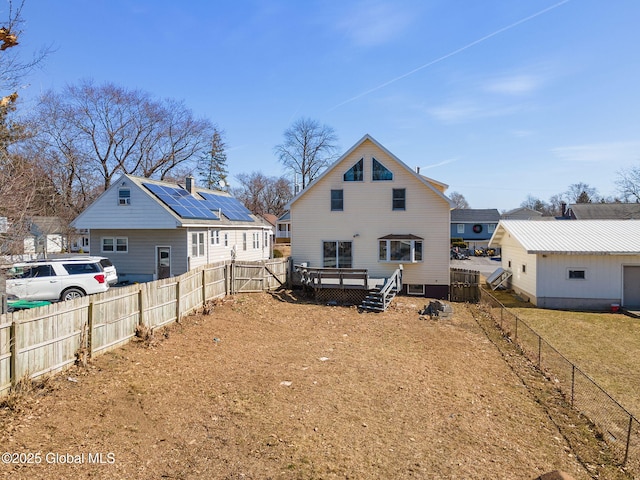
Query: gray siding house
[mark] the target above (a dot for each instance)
(474, 226)
(151, 229)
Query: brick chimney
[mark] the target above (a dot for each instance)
(190, 184)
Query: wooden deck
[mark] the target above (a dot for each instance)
(340, 278)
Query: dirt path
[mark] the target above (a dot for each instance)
(265, 387)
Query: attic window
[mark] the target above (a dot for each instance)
(124, 196)
(380, 172)
(355, 173)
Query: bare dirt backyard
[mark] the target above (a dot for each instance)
(271, 386)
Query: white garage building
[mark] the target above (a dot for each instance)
(572, 264)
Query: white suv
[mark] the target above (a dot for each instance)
(60, 279)
(108, 267)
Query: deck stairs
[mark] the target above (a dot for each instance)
(378, 299)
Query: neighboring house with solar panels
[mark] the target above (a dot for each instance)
(151, 229)
(369, 210)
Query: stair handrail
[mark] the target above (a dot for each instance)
(392, 285)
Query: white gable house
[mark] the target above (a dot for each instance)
(369, 210)
(151, 229)
(572, 264)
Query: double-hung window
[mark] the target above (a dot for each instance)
(337, 200)
(115, 244)
(399, 199)
(197, 244)
(215, 237)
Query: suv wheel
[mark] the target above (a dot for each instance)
(71, 294)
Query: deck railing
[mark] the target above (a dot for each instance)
(318, 278)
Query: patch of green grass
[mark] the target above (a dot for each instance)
(605, 346)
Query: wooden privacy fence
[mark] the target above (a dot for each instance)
(49, 339)
(464, 286)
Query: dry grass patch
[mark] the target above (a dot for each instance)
(605, 346)
(273, 387)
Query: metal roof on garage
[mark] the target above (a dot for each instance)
(578, 237)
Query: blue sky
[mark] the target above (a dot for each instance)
(499, 99)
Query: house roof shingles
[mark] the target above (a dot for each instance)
(578, 237)
(474, 215)
(606, 211)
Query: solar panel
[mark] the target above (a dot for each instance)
(231, 207)
(182, 202)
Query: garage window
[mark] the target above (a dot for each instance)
(577, 274)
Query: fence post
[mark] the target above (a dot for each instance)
(204, 286)
(13, 348)
(177, 301)
(140, 307)
(573, 382)
(626, 452)
(90, 319)
(539, 352)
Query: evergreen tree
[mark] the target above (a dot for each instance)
(212, 167)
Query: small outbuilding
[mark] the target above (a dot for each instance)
(577, 265)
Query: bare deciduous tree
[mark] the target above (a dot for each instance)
(308, 148)
(628, 183)
(459, 200)
(582, 193)
(16, 175)
(535, 203)
(13, 66)
(89, 134)
(262, 194)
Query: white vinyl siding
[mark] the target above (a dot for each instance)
(513, 252)
(144, 211)
(603, 275)
(368, 216)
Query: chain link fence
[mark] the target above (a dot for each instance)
(616, 425)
